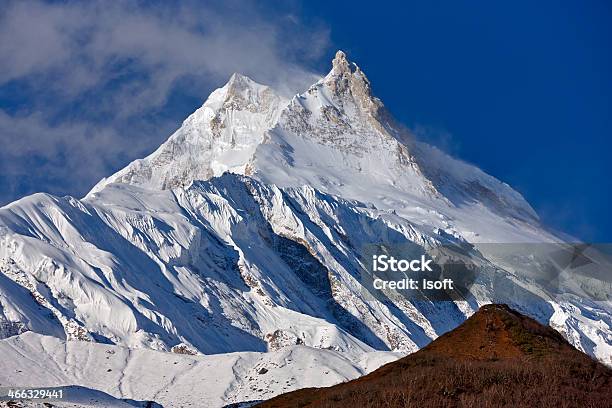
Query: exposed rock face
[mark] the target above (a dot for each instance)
(346, 80)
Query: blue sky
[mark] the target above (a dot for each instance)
(522, 89)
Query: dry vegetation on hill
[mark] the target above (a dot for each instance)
(497, 358)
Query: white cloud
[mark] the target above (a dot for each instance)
(85, 44)
(63, 158)
(92, 74)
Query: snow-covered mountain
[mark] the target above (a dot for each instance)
(245, 231)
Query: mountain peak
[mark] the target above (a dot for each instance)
(220, 136)
(239, 80)
(340, 63)
(237, 76)
(243, 88)
(343, 68)
(347, 81)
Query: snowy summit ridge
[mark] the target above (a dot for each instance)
(337, 125)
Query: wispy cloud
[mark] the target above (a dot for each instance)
(91, 80)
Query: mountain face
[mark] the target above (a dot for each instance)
(498, 357)
(245, 231)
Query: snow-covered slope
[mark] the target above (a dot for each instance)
(245, 232)
(220, 136)
(339, 138)
(113, 376)
(252, 265)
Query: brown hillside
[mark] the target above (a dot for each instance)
(496, 358)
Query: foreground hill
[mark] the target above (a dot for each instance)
(497, 358)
